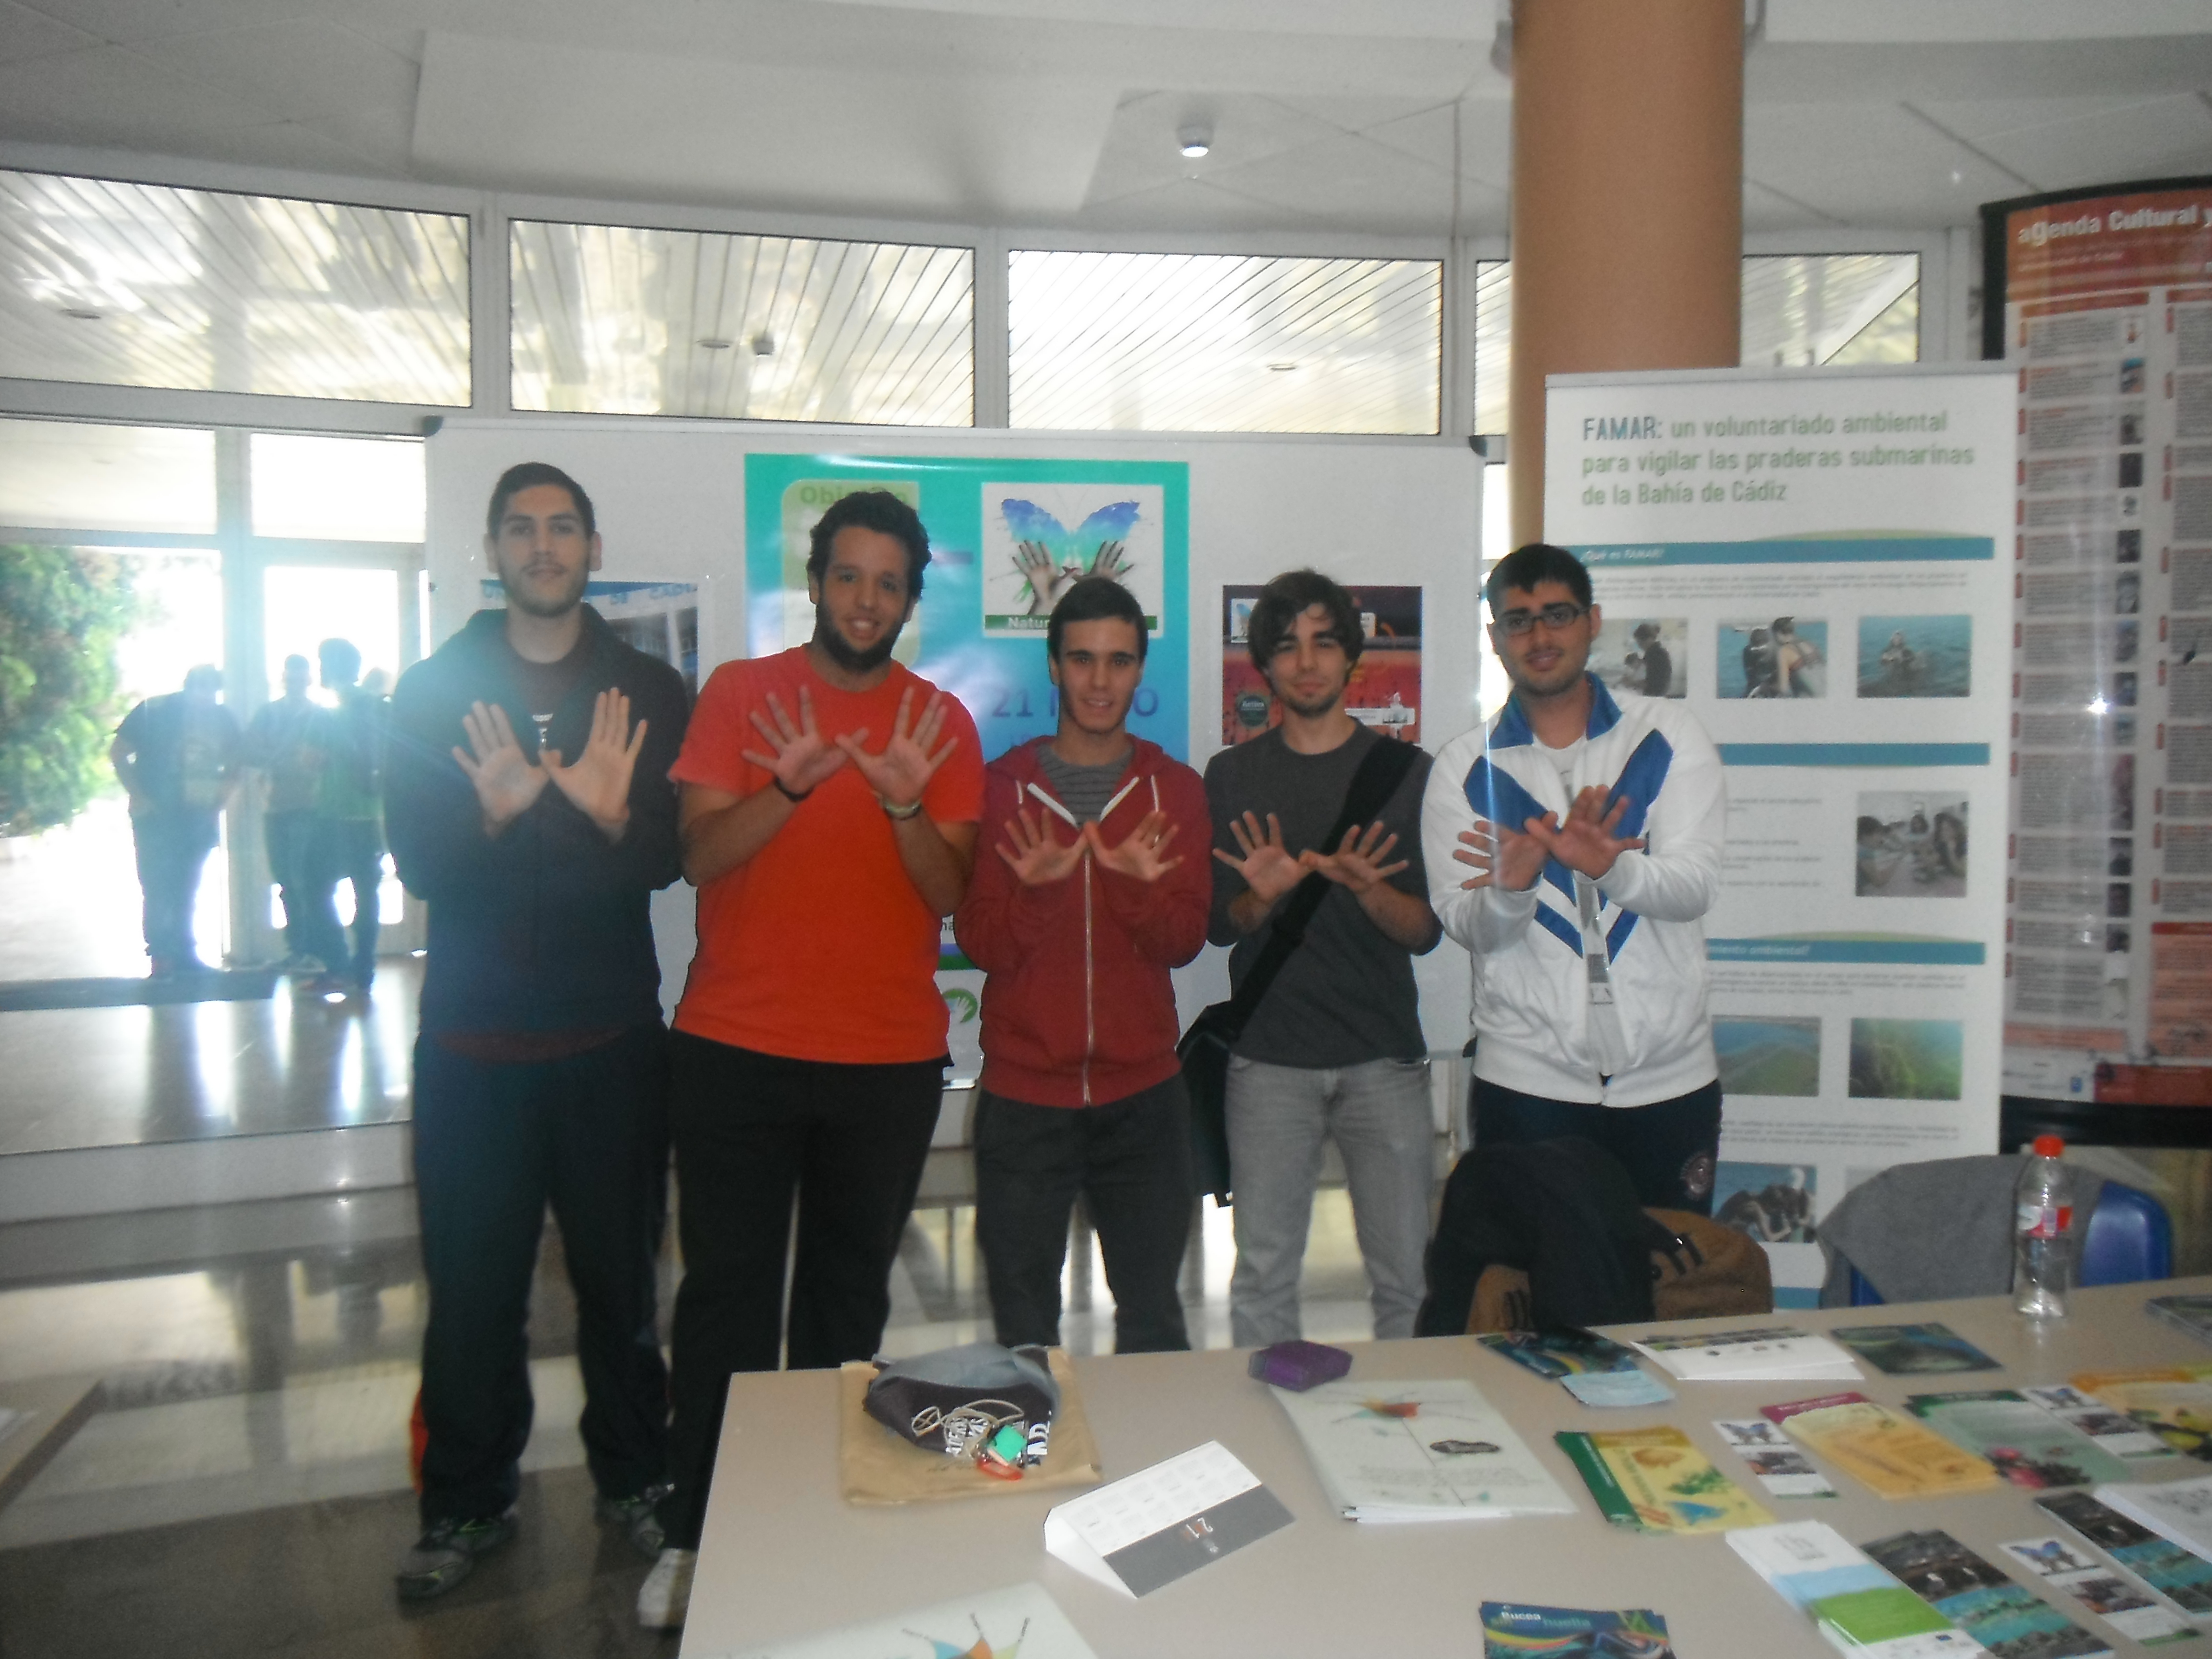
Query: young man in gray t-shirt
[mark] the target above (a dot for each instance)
(1334, 1049)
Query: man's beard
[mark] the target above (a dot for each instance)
(532, 603)
(1313, 709)
(853, 662)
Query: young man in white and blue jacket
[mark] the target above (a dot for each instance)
(1573, 845)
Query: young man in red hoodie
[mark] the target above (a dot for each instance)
(1090, 895)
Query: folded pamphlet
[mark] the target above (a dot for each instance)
(1151, 1527)
(2177, 1509)
(1613, 1389)
(2182, 1578)
(1913, 1350)
(1513, 1630)
(2173, 1403)
(1433, 1450)
(1559, 1354)
(1895, 1455)
(1022, 1620)
(2009, 1620)
(2029, 1446)
(2113, 1431)
(1781, 1468)
(1856, 1605)
(1760, 1354)
(1656, 1480)
(2112, 1594)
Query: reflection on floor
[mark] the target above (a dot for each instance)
(243, 1486)
(110, 1077)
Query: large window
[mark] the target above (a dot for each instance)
(147, 285)
(1219, 343)
(612, 319)
(1800, 310)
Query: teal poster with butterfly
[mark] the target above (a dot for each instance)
(1007, 539)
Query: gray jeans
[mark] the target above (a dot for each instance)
(1379, 1115)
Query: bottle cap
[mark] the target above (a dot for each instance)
(2048, 1147)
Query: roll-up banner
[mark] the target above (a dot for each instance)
(2101, 301)
(1815, 555)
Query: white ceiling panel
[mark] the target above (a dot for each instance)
(134, 21)
(314, 72)
(112, 95)
(1441, 19)
(1141, 152)
(1894, 20)
(1350, 114)
(1484, 140)
(1190, 205)
(2061, 142)
(1352, 182)
(1767, 209)
(1870, 164)
(909, 143)
(25, 34)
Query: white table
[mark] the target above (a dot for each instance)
(784, 1555)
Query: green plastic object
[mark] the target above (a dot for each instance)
(1007, 1443)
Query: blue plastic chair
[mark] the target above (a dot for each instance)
(2130, 1239)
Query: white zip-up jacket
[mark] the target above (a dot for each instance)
(1532, 1010)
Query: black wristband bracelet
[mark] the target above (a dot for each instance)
(786, 793)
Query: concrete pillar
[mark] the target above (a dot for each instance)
(1627, 200)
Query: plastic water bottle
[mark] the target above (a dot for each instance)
(2043, 1232)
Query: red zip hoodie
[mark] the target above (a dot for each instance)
(1078, 1010)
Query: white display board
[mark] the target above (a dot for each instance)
(670, 497)
(1817, 555)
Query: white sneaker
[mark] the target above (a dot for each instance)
(666, 1595)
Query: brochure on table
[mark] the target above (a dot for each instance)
(1818, 554)
(1022, 1620)
(1431, 1451)
(1151, 1527)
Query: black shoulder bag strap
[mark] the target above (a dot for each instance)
(1377, 779)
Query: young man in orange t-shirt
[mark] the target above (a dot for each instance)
(830, 800)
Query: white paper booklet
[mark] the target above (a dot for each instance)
(1021, 1619)
(1767, 1353)
(2180, 1511)
(1428, 1450)
(1150, 1528)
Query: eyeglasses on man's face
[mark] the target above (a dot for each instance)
(1517, 623)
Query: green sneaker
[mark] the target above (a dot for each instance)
(635, 1516)
(446, 1553)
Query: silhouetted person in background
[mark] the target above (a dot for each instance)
(176, 757)
(347, 842)
(280, 745)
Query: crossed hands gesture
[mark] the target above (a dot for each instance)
(1038, 858)
(1585, 843)
(801, 758)
(508, 782)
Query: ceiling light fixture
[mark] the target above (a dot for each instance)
(712, 343)
(1196, 140)
(764, 344)
(83, 314)
(1280, 368)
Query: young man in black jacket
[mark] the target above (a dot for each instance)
(527, 799)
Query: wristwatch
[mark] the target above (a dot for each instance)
(899, 813)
